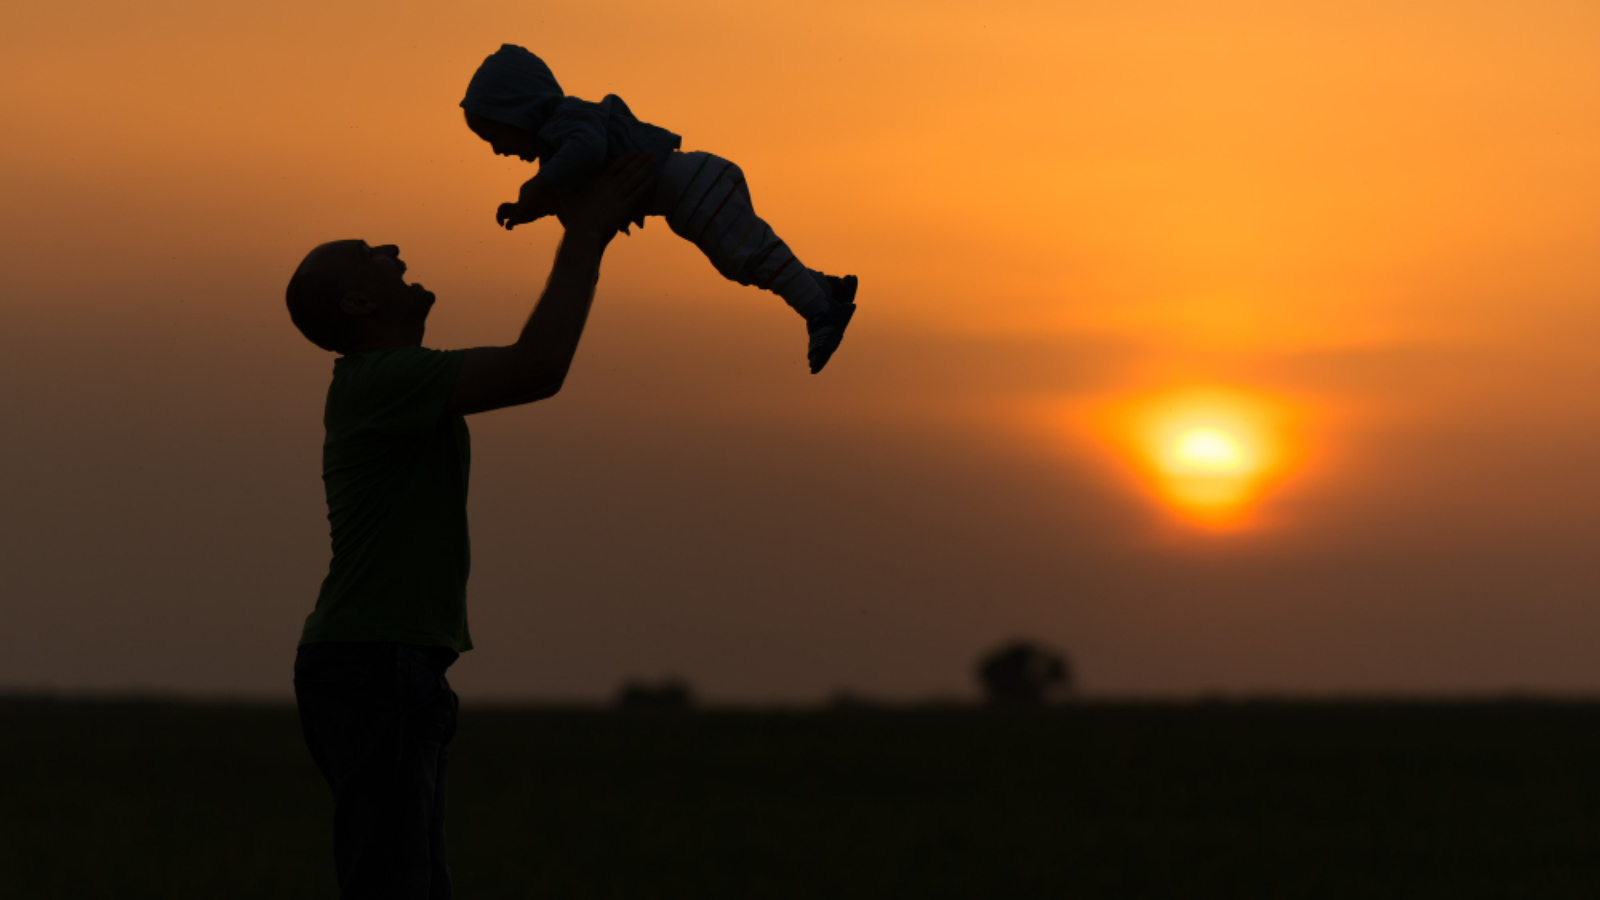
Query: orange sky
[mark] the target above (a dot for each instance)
(1367, 227)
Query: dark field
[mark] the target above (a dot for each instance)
(1345, 800)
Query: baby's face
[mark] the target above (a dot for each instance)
(506, 140)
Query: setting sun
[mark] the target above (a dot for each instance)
(1207, 454)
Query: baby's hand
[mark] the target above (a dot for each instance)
(510, 215)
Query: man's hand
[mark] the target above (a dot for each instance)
(510, 215)
(536, 366)
(602, 208)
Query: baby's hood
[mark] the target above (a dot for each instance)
(513, 87)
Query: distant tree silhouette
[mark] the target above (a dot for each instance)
(664, 696)
(1022, 674)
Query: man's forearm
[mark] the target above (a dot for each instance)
(552, 333)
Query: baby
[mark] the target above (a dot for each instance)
(514, 103)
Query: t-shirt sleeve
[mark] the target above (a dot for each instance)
(406, 390)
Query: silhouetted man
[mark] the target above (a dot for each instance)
(391, 617)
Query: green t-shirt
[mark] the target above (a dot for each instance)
(395, 470)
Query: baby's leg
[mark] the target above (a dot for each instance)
(705, 199)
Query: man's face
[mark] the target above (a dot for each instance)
(385, 273)
(377, 274)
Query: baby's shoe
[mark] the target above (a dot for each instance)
(826, 327)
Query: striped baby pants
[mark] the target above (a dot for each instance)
(706, 201)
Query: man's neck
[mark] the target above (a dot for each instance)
(382, 341)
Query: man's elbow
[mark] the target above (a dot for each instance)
(544, 393)
(545, 387)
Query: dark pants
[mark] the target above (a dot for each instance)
(378, 717)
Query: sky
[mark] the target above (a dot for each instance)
(1230, 348)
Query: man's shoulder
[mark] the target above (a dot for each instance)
(407, 386)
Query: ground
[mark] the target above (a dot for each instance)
(1237, 800)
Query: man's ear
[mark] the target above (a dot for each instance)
(357, 304)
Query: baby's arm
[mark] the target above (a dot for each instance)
(535, 201)
(577, 132)
(577, 136)
(536, 198)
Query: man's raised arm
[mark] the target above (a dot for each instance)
(536, 365)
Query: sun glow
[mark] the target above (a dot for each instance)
(1207, 451)
(1207, 454)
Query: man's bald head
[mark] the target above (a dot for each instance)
(323, 278)
(344, 287)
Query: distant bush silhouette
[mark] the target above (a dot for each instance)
(664, 696)
(1023, 674)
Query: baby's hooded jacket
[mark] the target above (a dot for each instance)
(577, 139)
